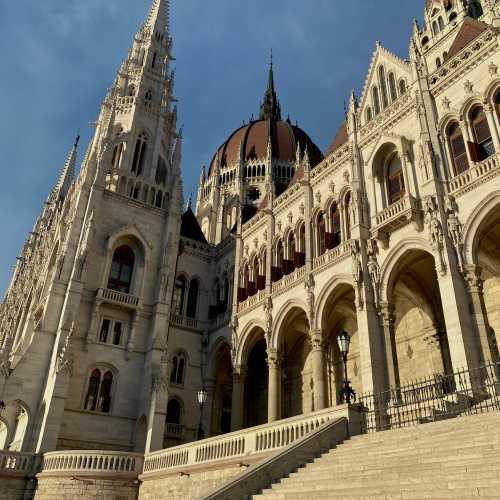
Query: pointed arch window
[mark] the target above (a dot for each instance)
(392, 87)
(178, 369)
(122, 267)
(173, 412)
(321, 233)
(369, 114)
(153, 60)
(261, 278)
(402, 87)
(300, 251)
(179, 296)
(440, 23)
(347, 215)
(148, 98)
(375, 100)
(395, 179)
(457, 148)
(98, 397)
(383, 86)
(280, 259)
(336, 234)
(192, 302)
(117, 156)
(139, 154)
(482, 135)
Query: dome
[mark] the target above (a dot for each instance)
(255, 137)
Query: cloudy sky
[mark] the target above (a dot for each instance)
(60, 56)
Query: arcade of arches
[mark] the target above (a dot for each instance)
(305, 372)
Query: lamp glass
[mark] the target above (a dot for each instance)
(344, 340)
(202, 396)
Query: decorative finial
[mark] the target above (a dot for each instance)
(190, 201)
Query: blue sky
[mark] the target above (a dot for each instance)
(62, 55)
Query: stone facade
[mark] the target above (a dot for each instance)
(123, 305)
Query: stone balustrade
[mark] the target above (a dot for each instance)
(474, 176)
(332, 256)
(262, 439)
(175, 431)
(400, 213)
(93, 463)
(18, 463)
(116, 297)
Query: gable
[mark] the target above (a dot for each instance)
(469, 31)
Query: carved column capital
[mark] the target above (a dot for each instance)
(239, 373)
(273, 358)
(316, 339)
(472, 277)
(386, 314)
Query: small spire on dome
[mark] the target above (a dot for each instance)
(270, 108)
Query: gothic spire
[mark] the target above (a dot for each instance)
(67, 175)
(158, 16)
(270, 108)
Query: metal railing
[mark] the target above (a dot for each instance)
(438, 397)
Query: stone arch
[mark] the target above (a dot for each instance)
(221, 380)
(468, 104)
(394, 257)
(473, 225)
(492, 88)
(281, 317)
(18, 419)
(331, 285)
(246, 340)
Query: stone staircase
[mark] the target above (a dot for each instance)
(457, 458)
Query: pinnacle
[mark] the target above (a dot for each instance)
(67, 175)
(270, 108)
(158, 16)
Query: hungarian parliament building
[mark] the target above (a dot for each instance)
(130, 309)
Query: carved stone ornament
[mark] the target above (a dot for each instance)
(234, 337)
(332, 187)
(318, 197)
(268, 311)
(455, 229)
(468, 87)
(273, 358)
(65, 360)
(446, 103)
(357, 271)
(374, 270)
(493, 69)
(309, 285)
(302, 208)
(290, 217)
(435, 232)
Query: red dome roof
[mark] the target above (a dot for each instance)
(255, 136)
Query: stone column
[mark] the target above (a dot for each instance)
(274, 390)
(478, 309)
(387, 322)
(318, 369)
(238, 397)
(488, 111)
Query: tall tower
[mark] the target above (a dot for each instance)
(84, 324)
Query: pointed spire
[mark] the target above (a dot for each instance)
(298, 155)
(270, 108)
(158, 16)
(67, 175)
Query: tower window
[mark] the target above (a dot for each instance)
(395, 179)
(383, 86)
(482, 134)
(122, 267)
(178, 369)
(153, 61)
(105, 328)
(99, 391)
(392, 87)
(192, 302)
(139, 154)
(179, 296)
(457, 149)
(376, 100)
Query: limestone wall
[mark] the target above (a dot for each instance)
(70, 487)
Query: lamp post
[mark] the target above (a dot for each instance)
(347, 394)
(202, 399)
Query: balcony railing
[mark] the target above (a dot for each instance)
(399, 214)
(175, 431)
(470, 179)
(19, 463)
(93, 462)
(332, 256)
(262, 439)
(184, 322)
(120, 298)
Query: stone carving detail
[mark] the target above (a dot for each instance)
(357, 271)
(435, 233)
(273, 358)
(374, 270)
(65, 360)
(234, 337)
(455, 229)
(268, 311)
(309, 285)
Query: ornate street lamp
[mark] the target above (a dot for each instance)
(202, 399)
(347, 394)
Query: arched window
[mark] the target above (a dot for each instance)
(321, 233)
(159, 199)
(435, 27)
(192, 302)
(453, 16)
(369, 114)
(139, 154)
(148, 98)
(122, 267)
(392, 87)
(375, 100)
(131, 90)
(425, 41)
(173, 412)
(395, 179)
(336, 226)
(99, 391)
(457, 148)
(383, 86)
(153, 60)
(280, 257)
(438, 62)
(291, 247)
(117, 156)
(178, 369)
(179, 296)
(482, 134)
(402, 87)
(347, 215)
(440, 23)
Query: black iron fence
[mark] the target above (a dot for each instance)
(438, 397)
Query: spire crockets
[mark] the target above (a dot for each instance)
(67, 175)
(270, 108)
(158, 16)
